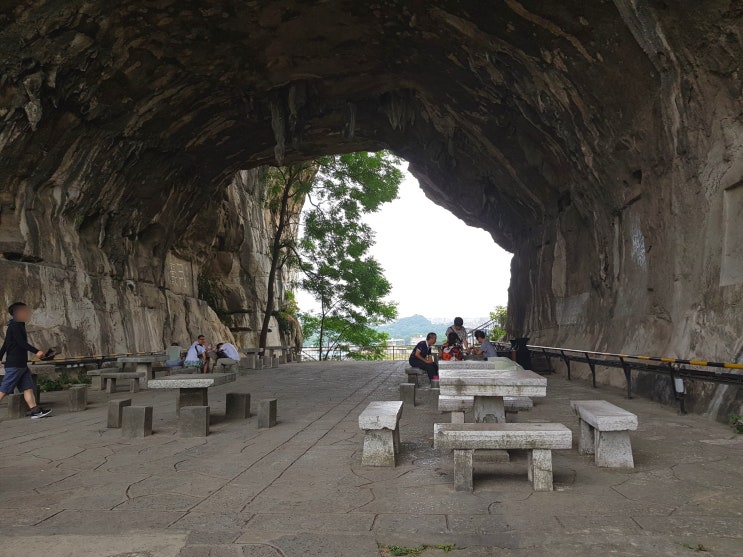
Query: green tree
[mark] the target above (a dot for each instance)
(286, 188)
(499, 317)
(347, 282)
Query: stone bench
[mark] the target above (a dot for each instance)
(604, 432)
(414, 375)
(459, 404)
(538, 438)
(380, 423)
(109, 378)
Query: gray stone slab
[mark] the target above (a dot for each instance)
(136, 421)
(267, 411)
(193, 421)
(502, 436)
(237, 406)
(115, 411)
(381, 415)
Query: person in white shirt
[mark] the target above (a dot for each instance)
(196, 355)
(227, 355)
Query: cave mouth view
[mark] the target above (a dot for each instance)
(412, 236)
(196, 195)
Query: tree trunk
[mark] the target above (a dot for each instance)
(275, 258)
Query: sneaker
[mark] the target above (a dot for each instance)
(39, 412)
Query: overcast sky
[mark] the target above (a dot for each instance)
(412, 226)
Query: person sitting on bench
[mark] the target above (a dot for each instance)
(487, 348)
(452, 348)
(422, 359)
(196, 355)
(227, 354)
(173, 356)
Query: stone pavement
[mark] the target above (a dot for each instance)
(71, 487)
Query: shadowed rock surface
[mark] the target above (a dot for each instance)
(601, 143)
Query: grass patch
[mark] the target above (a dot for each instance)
(736, 422)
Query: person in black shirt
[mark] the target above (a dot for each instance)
(422, 359)
(16, 347)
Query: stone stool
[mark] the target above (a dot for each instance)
(16, 406)
(136, 421)
(407, 394)
(77, 397)
(194, 421)
(115, 410)
(238, 406)
(267, 412)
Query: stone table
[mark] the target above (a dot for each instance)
(489, 386)
(192, 388)
(144, 366)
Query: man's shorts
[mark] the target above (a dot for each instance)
(194, 363)
(19, 377)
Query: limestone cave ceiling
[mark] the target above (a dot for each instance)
(506, 110)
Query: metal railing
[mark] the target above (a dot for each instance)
(390, 352)
(676, 368)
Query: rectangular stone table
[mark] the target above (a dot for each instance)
(192, 388)
(144, 366)
(489, 386)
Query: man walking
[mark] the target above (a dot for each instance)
(16, 346)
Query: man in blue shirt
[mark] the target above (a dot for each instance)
(422, 359)
(16, 347)
(487, 348)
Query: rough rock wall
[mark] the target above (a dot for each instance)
(598, 141)
(95, 289)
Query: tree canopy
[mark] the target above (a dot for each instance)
(348, 284)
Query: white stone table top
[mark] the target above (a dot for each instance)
(382, 414)
(191, 381)
(493, 382)
(490, 363)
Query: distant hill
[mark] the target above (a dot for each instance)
(409, 327)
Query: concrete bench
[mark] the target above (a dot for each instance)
(109, 378)
(459, 404)
(415, 375)
(538, 438)
(380, 422)
(604, 432)
(95, 379)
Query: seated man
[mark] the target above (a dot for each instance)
(227, 355)
(487, 348)
(173, 356)
(196, 355)
(459, 329)
(421, 357)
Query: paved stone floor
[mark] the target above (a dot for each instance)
(71, 487)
